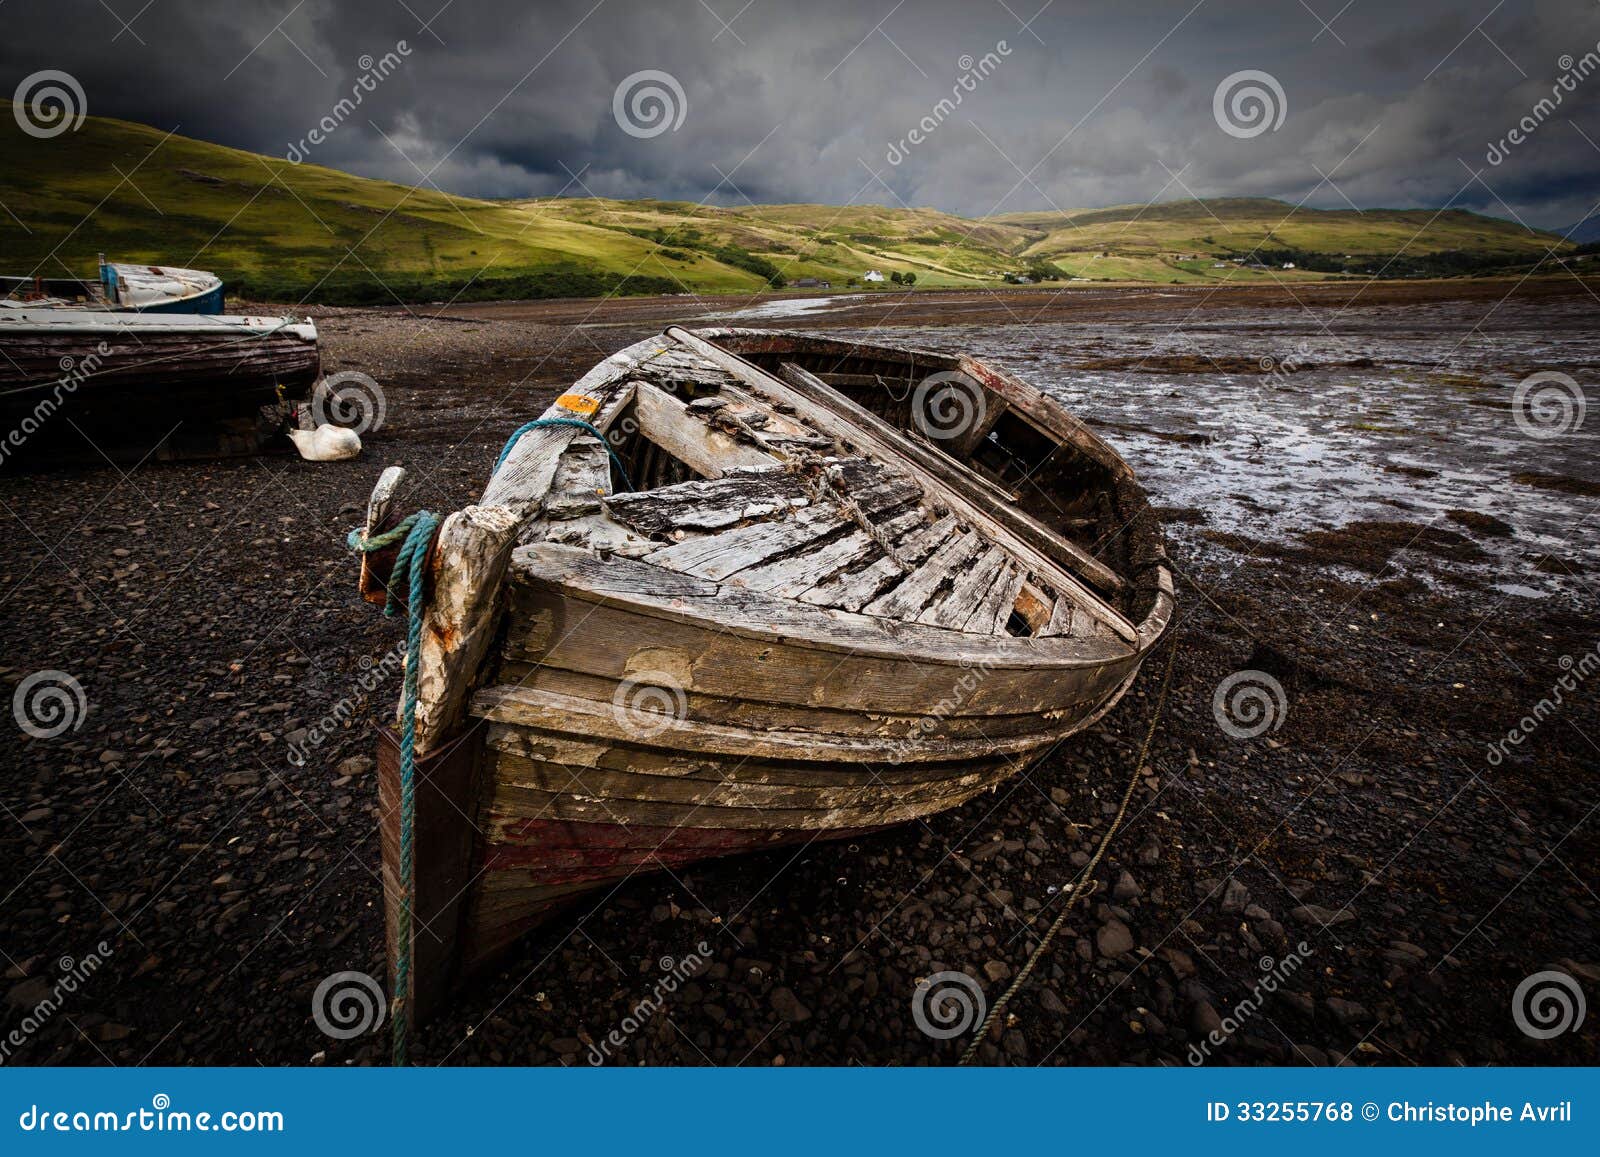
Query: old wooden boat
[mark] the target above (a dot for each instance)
(739, 589)
(161, 288)
(92, 383)
(120, 285)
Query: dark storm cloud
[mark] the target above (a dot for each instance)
(1397, 104)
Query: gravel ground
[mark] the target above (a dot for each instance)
(1359, 885)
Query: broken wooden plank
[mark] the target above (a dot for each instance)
(582, 478)
(704, 505)
(955, 606)
(907, 598)
(790, 577)
(468, 565)
(856, 589)
(719, 555)
(993, 610)
(687, 436)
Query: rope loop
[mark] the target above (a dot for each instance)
(569, 423)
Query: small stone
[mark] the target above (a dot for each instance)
(1346, 1012)
(1181, 963)
(1203, 1019)
(356, 765)
(997, 970)
(1324, 917)
(1234, 896)
(787, 1005)
(1114, 939)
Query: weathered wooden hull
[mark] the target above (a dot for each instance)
(594, 708)
(81, 384)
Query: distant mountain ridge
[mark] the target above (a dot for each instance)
(284, 231)
(1582, 232)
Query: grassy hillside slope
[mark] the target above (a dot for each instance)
(303, 232)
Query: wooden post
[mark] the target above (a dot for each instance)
(443, 837)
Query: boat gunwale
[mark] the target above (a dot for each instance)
(559, 570)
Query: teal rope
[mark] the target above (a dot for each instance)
(572, 423)
(415, 535)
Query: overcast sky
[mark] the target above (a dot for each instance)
(1393, 104)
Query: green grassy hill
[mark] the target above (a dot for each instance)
(277, 230)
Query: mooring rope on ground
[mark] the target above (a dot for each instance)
(415, 535)
(1081, 886)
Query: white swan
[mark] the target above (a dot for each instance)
(326, 443)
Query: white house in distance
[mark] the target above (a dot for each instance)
(872, 275)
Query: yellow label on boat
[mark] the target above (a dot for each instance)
(581, 404)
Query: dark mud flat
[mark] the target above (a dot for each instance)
(208, 612)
